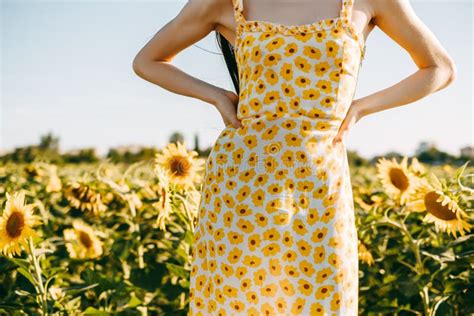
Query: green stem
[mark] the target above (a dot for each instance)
(426, 300)
(413, 245)
(140, 250)
(419, 268)
(415, 249)
(409, 266)
(411, 311)
(37, 268)
(189, 216)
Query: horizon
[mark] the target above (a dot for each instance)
(190, 145)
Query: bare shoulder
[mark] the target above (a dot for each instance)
(389, 9)
(211, 6)
(207, 10)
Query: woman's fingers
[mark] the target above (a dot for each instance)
(236, 123)
(341, 132)
(352, 117)
(233, 120)
(229, 116)
(227, 107)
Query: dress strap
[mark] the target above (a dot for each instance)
(346, 10)
(238, 10)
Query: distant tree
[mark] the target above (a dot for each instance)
(196, 142)
(49, 142)
(393, 154)
(435, 156)
(23, 154)
(85, 155)
(46, 150)
(356, 160)
(176, 137)
(424, 146)
(131, 155)
(205, 152)
(147, 153)
(388, 155)
(114, 155)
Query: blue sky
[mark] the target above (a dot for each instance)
(67, 68)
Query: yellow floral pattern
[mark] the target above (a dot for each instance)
(276, 230)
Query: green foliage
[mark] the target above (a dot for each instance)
(417, 269)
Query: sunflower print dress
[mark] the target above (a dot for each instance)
(276, 230)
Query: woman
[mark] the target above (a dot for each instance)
(276, 231)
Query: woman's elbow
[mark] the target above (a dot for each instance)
(449, 70)
(138, 65)
(453, 72)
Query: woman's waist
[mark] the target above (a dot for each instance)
(270, 141)
(304, 121)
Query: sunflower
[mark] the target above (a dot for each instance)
(442, 210)
(54, 182)
(447, 168)
(366, 199)
(194, 199)
(396, 178)
(83, 197)
(16, 224)
(163, 205)
(34, 171)
(182, 166)
(82, 241)
(417, 168)
(45, 173)
(364, 254)
(56, 292)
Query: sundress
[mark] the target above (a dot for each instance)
(275, 232)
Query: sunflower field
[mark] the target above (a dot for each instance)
(109, 238)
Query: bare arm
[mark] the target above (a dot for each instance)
(154, 61)
(436, 70)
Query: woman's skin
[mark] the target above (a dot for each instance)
(395, 18)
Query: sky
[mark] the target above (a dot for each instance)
(66, 68)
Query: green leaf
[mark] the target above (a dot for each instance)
(74, 291)
(20, 262)
(438, 304)
(454, 286)
(188, 237)
(134, 301)
(10, 306)
(73, 304)
(149, 278)
(446, 256)
(177, 270)
(460, 240)
(23, 293)
(27, 275)
(460, 170)
(465, 254)
(93, 311)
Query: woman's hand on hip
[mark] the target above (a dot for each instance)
(353, 116)
(226, 103)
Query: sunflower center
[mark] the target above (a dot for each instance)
(399, 179)
(15, 224)
(436, 208)
(180, 165)
(85, 239)
(83, 193)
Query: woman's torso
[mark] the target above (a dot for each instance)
(297, 71)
